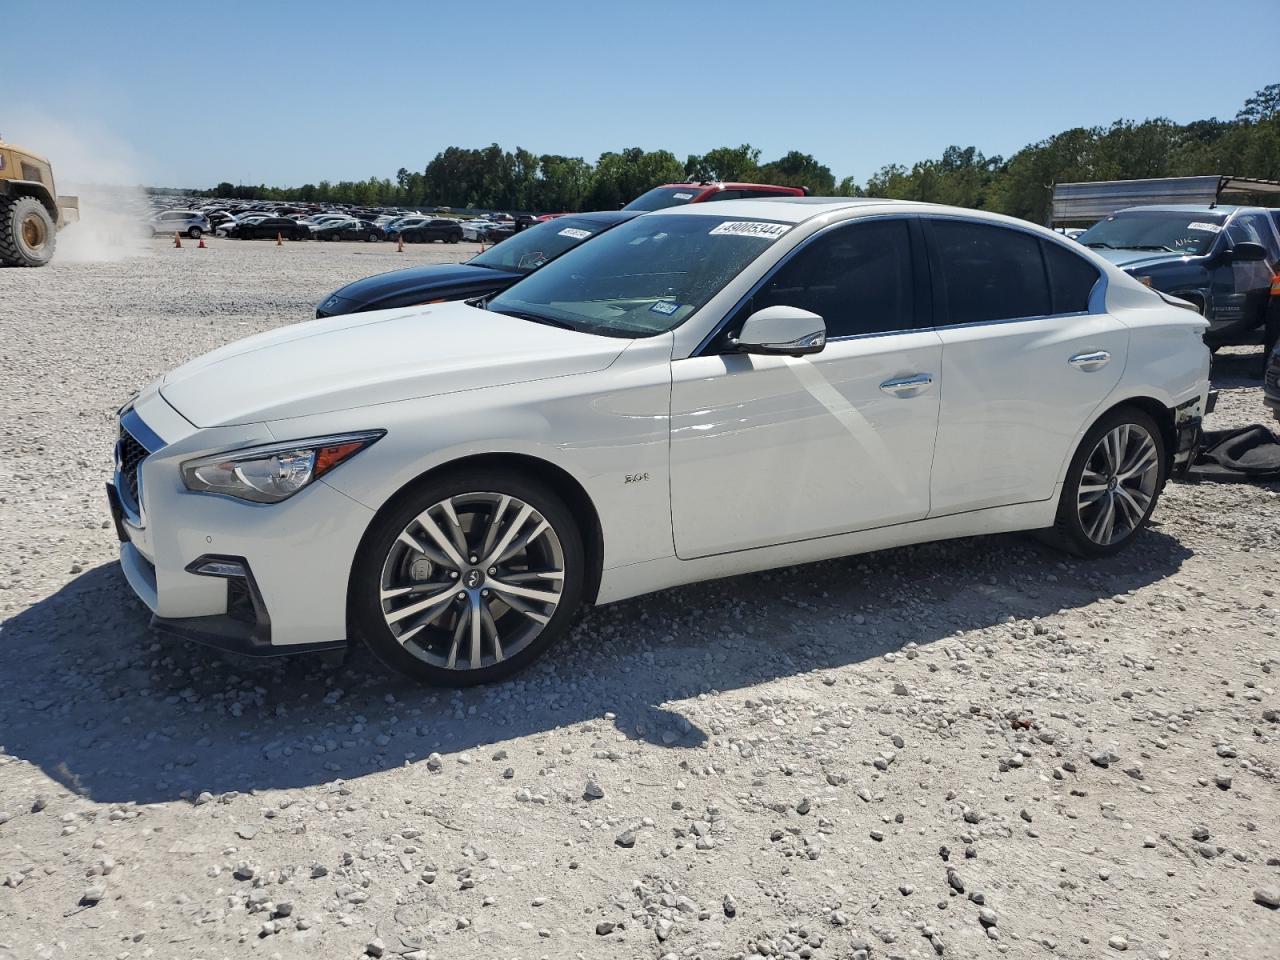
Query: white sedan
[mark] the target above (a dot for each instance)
(700, 392)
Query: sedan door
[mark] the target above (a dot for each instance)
(1028, 356)
(769, 449)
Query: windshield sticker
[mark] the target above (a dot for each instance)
(665, 307)
(750, 228)
(573, 233)
(1207, 227)
(682, 196)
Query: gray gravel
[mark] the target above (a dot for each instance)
(964, 749)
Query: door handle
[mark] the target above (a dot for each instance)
(1090, 361)
(907, 386)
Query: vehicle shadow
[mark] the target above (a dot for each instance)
(117, 714)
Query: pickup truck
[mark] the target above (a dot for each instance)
(1219, 258)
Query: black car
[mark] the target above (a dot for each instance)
(489, 273)
(347, 230)
(270, 228)
(446, 231)
(1221, 259)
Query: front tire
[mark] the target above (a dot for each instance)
(467, 577)
(1112, 485)
(27, 232)
(195, 233)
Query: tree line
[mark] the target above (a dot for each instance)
(494, 178)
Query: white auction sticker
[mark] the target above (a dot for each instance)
(682, 196)
(750, 228)
(574, 233)
(1207, 227)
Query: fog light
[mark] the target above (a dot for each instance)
(219, 568)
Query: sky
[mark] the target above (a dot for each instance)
(283, 92)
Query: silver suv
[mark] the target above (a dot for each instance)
(191, 222)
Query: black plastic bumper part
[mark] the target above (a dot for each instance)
(246, 626)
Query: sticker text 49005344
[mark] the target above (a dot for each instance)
(750, 228)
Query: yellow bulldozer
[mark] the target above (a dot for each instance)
(31, 212)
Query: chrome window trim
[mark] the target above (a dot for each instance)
(1097, 295)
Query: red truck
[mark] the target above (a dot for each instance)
(675, 194)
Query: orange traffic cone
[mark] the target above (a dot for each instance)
(201, 245)
(279, 240)
(177, 240)
(399, 243)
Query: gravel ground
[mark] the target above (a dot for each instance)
(966, 749)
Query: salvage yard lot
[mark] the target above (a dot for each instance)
(976, 747)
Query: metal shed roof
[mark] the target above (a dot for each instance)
(1092, 201)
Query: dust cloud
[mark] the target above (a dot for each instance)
(101, 170)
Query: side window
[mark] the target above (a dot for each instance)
(1071, 278)
(988, 272)
(1254, 228)
(857, 278)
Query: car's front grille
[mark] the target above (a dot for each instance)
(129, 455)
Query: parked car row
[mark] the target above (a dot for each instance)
(677, 395)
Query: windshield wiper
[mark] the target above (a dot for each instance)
(1099, 243)
(1151, 246)
(538, 318)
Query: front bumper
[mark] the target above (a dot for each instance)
(295, 556)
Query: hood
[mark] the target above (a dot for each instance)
(438, 279)
(385, 356)
(1132, 259)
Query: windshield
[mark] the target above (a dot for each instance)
(661, 197)
(526, 251)
(641, 278)
(1189, 234)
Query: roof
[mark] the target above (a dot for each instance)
(785, 209)
(725, 185)
(1078, 202)
(1205, 208)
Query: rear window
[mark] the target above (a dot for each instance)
(526, 251)
(659, 198)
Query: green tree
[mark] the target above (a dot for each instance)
(731, 164)
(796, 169)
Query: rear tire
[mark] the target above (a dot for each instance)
(27, 232)
(434, 643)
(1112, 485)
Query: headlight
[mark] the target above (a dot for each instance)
(274, 473)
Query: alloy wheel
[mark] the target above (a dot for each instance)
(1118, 484)
(472, 580)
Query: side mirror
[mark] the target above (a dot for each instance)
(1248, 252)
(781, 331)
